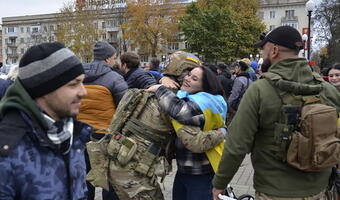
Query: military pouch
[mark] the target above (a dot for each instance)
(128, 148)
(316, 146)
(146, 160)
(99, 161)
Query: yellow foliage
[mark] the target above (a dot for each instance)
(151, 22)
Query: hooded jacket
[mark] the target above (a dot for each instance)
(31, 166)
(258, 112)
(105, 88)
(240, 85)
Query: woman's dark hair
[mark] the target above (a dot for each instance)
(243, 65)
(335, 66)
(210, 83)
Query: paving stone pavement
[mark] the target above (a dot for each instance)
(242, 183)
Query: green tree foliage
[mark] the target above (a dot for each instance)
(75, 29)
(327, 30)
(222, 29)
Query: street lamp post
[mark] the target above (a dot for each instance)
(304, 39)
(309, 7)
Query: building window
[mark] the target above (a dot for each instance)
(10, 29)
(144, 58)
(51, 38)
(103, 25)
(28, 29)
(45, 28)
(271, 27)
(272, 14)
(22, 50)
(186, 45)
(173, 46)
(22, 40)
(51, 28)
(292, 24)
(22, 29)
(35, 29)
(290, 13)
(104, 36)
(95, 25)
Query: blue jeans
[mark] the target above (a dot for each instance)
(192, 187)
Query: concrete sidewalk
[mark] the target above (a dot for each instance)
(242, 182)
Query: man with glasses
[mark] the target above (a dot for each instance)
(254, 128)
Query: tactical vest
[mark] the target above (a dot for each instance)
(137, 146)
(141, 129)
(306, 135)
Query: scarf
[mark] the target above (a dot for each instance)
(59, 132)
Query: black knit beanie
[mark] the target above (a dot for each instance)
(46, 67)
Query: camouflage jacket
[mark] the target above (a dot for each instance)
(31, 166)
(31, 169)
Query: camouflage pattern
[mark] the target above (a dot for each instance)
(178, 62)
(33, 171)
(130, 181)
(137, 151)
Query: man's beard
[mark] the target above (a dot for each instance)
(265, 65)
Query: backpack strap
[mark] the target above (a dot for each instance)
(293, 96)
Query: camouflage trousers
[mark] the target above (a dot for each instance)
(262, 196)
(131, 185)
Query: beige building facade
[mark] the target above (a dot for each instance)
(276, 13)
(21, 32)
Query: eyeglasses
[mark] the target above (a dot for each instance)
(333, 75)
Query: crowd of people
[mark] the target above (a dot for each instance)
(67, 127)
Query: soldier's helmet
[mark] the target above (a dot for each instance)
(179, 62)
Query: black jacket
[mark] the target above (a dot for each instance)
(227, 83)
(138, 78)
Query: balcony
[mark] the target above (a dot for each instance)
(35, 33)
(12, 44)
(112, 40)
(289, 19)
(12, 55)
(12, 34)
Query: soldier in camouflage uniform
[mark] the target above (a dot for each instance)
(137, 151)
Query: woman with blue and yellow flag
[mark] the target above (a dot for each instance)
(200, 102)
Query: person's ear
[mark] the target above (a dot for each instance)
(275, 51)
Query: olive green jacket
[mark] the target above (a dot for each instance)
(259, 110)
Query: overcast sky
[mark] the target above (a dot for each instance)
(10, 8)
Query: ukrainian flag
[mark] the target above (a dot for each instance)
(214, 109)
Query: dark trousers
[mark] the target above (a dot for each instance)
(192, 187)
(107, 195)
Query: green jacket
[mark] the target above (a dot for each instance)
(259, 110)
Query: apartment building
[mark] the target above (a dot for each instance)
(21, 32)
(276, 13)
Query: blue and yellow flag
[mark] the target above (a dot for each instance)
(214, 109)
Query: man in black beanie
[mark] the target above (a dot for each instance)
(105, 89)
(42, 145)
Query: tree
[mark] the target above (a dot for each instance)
(222, 29)
(76, 30)
(151, 23)
(327, 26)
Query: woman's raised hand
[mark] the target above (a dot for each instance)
(169, 83)
(153, 88)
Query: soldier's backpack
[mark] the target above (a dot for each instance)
(307, 130)
(135, 117)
